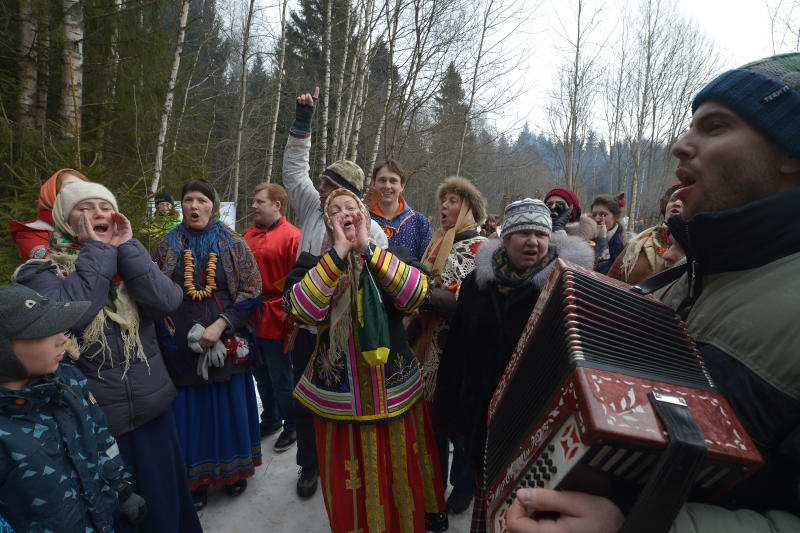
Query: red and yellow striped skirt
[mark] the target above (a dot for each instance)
(383, 477)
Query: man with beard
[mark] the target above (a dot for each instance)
(739, 164)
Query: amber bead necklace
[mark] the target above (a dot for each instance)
(188, 276)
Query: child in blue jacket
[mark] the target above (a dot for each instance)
(60, 468)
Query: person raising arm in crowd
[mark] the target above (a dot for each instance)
(307, 202)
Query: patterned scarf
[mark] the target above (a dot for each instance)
(201, 242)
(438, 250)
(120, 307)
(654, 243)
(509, 279)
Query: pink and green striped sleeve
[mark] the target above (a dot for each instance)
(311, 298)
(407, 285)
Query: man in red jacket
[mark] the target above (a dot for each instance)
(274, 242)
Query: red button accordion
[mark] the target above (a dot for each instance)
(572, 409)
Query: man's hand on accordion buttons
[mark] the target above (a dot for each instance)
(578, 512)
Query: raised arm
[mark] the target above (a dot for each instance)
(303, 196)
(154, 292)
(94, 269)
(407, 285)
(310, 299)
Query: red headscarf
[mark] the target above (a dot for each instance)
(570, 197)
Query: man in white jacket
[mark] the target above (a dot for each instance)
(307, 201)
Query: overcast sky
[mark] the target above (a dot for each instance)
(740, 29)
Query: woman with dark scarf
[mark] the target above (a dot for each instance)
(216, 411)
(450, 256)
(377, 457)
(494, 303)
(92, 256)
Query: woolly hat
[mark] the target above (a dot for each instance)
(25, 314)
(163, 197)
(346, 174)
(467, 191)
(527, 214)
(79, 191)
(570, 197)
(766, 94)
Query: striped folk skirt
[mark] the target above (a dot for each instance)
(381, 477)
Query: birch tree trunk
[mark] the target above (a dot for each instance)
(72, 77)
(343, 137)
(326, 87)
(391, 23)
(276, 101)
(467, 112)
(27, 65)
(167, 109)
(362, 89)
(242, 102)
(360, 103)
(43, 76)
(340, 85)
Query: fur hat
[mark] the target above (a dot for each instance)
(346, 174)
(527, 214)
(467, 191)
(766, 94)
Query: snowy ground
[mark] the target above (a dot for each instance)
(270, 503)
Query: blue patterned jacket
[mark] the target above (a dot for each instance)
(60, 468)
(409, 228)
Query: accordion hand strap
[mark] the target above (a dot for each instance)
(668, 488)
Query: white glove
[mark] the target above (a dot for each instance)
(216, 354)
(194, 336)
(202, 365)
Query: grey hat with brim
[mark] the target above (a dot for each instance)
(26, 314)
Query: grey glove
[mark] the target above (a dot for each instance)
(216, 355)
(132, 507)
(202, 364)
(561, 220)
(194, 336)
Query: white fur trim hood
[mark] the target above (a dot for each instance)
(570, 248)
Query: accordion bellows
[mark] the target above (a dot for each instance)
(571, 410)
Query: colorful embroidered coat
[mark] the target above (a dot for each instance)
(343, 387)
(407, 228)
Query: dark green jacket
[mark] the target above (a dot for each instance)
(60, 468)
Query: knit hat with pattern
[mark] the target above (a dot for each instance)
(766, 94)
(527, 214)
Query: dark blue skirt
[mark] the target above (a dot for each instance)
(153, 456)
(218, 431)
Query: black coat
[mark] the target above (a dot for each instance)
(483, 333)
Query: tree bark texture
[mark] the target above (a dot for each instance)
(168, 101)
